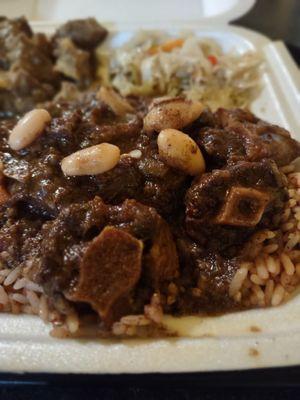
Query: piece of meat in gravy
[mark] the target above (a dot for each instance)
(206, 277)
(237, 135)
(110, 267)
(80, 230)
(161, 262)
(19, 240)
(26, 67)
(74, 44)
(225, 207)
(84, 33)
(32, 65)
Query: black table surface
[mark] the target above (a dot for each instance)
(278, 19)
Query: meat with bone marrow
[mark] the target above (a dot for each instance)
(225, 207)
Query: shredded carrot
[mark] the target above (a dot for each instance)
(167, 46)
(213, 59)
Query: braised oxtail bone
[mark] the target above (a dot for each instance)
(214, 216)
(243, 207)
(110, 268)
(208, 193)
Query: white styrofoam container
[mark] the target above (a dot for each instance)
(130, 11)
(249, 339)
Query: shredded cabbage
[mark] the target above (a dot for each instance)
(153, 64)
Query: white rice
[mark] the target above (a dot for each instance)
(20, 283)
(34, 301)
(12, 276)
(20, 298)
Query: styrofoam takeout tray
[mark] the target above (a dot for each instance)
(249, 339)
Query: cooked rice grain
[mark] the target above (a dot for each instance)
(33, 286)
(278, 295)
(20, 298)
(269, 291)
(34, 301)
(287, 264)
(5, 272)
(12, 276)
(238, 280)
(137, 320)
(20, 284)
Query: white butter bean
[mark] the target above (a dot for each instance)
(28, 128)
(93, 160)
(173, 113)
(180, 151)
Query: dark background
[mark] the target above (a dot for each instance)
(264, 384)
(278, 19)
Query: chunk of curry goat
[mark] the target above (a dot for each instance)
(110, 268)
(225, 207)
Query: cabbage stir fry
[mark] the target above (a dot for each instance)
(150, 64)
